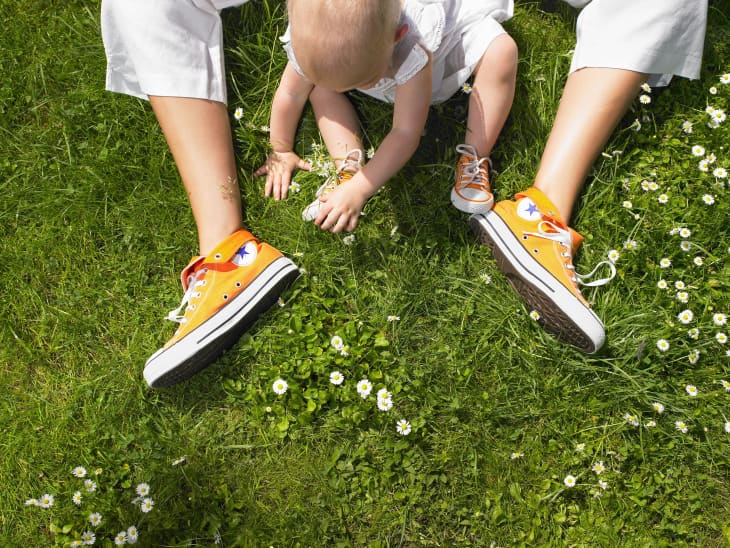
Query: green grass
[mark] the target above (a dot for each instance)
(96, 228)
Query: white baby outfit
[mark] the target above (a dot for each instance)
(175, 47)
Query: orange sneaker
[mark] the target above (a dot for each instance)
(224, 294)
(350, 165)
(534, 249)
(472, 192)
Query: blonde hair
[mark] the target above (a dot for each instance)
(341, 43)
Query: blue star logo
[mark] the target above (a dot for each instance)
(532, 209)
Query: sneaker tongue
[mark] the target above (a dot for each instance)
(192, 267)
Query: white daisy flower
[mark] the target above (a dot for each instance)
(681, 426)
(466, 88)
(76, 498)
(653, 185)
(121, 538)
(393, 318)
(337, 343)
(650, 424)
(662, 345)
(719, 116)
(88, 538)
(142, 489)
(349, 239)
(132, 534)
(687, 126)
(580, 447)
(627, 204)
(686, 316)
(569, 481)
(598, 467)
(644, 99)
(280, 386)
(295, 187)
(721, 338)
(693, 356)
(663, 198)
(46, 501)
(613, 255)
(720, 172)
(535, 315)
(698, 150)
(661, 284)
(727, 427)
(725, 78)
(709, 199)
(704, 165)
(403, 427)
(699, 261)
(679, 284)
(658, 407)
(385, 404)
(645, 185)
(725, 384)
(685, 232)
(665, 262)
(90, 485)
(394, 231)
(646, 87)
(691, 390)
(712, 90)
(336, 378)
(636, 125)
(693, 333)
(95, 519)
(719, 319)
(79, 471)
(516, 455)
(633, 420)
(603, 484)
(364, 387)
(685, 245)
(238, 114)
(682, 296)
(179, 461)
(709, 109)
(146, 505)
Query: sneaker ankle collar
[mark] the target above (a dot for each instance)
(543, 203)
(228, 247)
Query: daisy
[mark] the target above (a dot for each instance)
(393, 318)
(650, 424)
(486, 278)
(709, 199)
(665, 262)
(238, 114)
(727, 427)
(598, 467)
(516, 455)
(569, 481)
(719, 116)
(685, 245)
(76, 544)
(633, 420)
(704, 165)
(466, 88)
(132, 534)
(385, 404)
(679, 284)
(336, 378)
(713, 90)
(280, 386)
(691, 390)
(693, 356)
(76, 498)
(721, 338)
(394, 231)
(662, 198)
(88, 538)
(95, 519)
(142, 489)
(685, 316)
(644, 99)
(146, 505)
(645, 185)
(179, 461)
(720, 172)
(370, 152)
(636, 125)
(535, 315)
(337, 343)
(295, 187)
(653, 185)
(90, 485)
(349, 239)
(709, 109)
(79, 471)
(687, 126)
(685, 232)
(121, 538)
(719, 319)
(46, 501)
(383, 394)
(725, 78)
(627, 204)
(693, 333)
(662, 345)
(646, 87)
(613, 255)
(630, 244)
(603, 484)
(661, 284)
(658, 407)
(699, 261)
(364, 387)
(345, 351)
(31, 502)
(698, 150)
(682, 296)
(725, 384)
(681, 426)
(403, 427)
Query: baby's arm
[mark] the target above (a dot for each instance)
(341, 208)
(286, 110)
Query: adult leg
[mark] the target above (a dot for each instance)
(592, 104)
(199, 136)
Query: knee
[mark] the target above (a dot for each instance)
(502, 54)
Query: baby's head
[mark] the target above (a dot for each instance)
(344, 44)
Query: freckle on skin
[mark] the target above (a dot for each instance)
(228, 189)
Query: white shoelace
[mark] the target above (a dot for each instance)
(471, 170)
(562, 236)
(193, 283)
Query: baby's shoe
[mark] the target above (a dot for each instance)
(351, 164)
(224, 294)
(534, 249)
(472, 192)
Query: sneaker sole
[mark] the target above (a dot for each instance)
(468, 206)
(561, 313)
(201, 347)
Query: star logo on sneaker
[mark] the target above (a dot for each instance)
(246, 255)
(527, 210)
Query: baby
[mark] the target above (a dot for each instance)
(412, 53)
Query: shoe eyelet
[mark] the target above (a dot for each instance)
(217, 256)
(535, 251)
(225, 297)
(524, 236)
(238, 284)
(202, 283)
(196, 294)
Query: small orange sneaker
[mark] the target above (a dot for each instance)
(534, 249)
(472, 192)
(224, 294)
(351, 164)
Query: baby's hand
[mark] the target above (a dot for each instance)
(278, 169)
(340, 209)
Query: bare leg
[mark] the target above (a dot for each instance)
(199, 136)
(492, 94)
(337, 121)
(593, 102)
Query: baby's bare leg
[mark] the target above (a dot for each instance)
(199, 136)
(593, 102)
(337, 122)
(492, 94)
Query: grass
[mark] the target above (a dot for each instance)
(97, 227)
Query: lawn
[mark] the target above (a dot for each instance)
(512, 438)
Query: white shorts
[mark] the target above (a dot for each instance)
(659, 37)
(165, 47)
